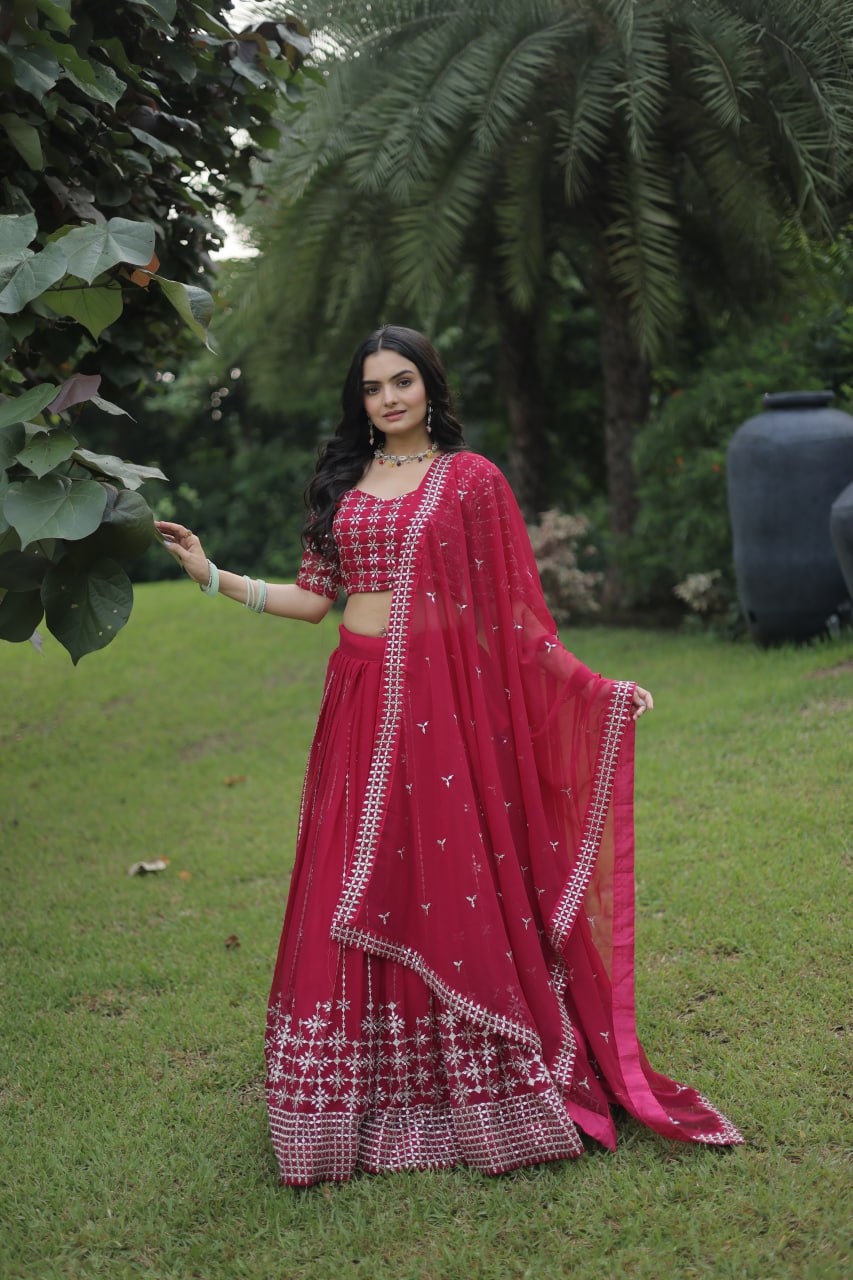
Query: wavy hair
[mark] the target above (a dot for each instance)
(343, 459)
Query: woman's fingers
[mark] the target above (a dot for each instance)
(176, 535)
(642, 701)
(174, 529)
(176, 550)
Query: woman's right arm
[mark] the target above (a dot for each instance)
(283, 599)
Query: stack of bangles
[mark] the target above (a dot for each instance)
(256, 590)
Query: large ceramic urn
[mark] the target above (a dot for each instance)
(841, 532)
(785, 468)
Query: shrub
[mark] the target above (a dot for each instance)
(558, 541)
(683, 529)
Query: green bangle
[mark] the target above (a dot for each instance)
(212, 587)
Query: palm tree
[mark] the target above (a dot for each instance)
(645, 141)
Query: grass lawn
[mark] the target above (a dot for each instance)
(132, 1122)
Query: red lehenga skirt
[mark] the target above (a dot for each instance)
(367, 1068)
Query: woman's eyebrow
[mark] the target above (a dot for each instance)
(366, 382)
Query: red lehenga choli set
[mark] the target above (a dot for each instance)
(455, 980)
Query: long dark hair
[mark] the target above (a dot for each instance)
(343, 459)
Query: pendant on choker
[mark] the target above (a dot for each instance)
(397, 459)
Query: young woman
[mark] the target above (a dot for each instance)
(455, 979)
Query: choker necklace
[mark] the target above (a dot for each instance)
(397, 459)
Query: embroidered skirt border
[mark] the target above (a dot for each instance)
(493, 1137)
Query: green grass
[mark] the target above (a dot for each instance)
(132, 1123)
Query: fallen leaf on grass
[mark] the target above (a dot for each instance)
(185, 875)
(142, 868)
(232, 941)
(233, 780)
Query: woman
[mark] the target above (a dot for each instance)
(455, 979)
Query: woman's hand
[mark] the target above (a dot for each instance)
(643, 701)
(183, 544)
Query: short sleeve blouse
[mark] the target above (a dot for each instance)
(368, 533)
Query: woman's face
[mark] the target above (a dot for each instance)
(395, 397)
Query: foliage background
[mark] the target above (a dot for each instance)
(156, 111)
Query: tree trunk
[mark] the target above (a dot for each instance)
(627, 389)
(522, 387)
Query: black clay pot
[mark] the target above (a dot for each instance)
(785, 468)
(841, 532)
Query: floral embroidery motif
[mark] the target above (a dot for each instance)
(423, 1094)
(369, 535)
(315, 1065)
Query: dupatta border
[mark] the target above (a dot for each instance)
(617, 721)
(394, 661)
(460, 1005)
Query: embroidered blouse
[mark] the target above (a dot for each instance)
(368, 533)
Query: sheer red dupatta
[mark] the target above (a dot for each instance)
(494, 854)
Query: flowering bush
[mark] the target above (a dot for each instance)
(702, 592)
(556, 540)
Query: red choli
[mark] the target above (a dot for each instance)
(368, 533)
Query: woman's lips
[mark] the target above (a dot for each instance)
(391, 416)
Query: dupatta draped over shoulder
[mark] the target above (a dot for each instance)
(494, 846)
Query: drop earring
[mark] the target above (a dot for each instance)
(429, 419)
(372, 439)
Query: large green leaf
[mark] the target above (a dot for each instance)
(128, 527)
(22, 570)
(24, 138)
(32, 277)
(249, 72)
(21, 327)
(193, 305)
(95, 306)
(107, 406)
(165, 9)
(12, 438)
(164, 150)
(86, 608)
(130, 473)
(35, 72)
(16, 232)
(29, 405)
(46, 450)
(91, 250)
(57, 14)
(9, 540)
(93, 78)
(208, 22)
(54, 507)
(126, 531)
(117, 53)
(20, 614)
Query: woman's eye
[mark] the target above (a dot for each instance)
(404, 382)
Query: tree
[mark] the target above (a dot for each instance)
(651, 143)
(117, 133)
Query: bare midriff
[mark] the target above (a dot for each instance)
(367, 612)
